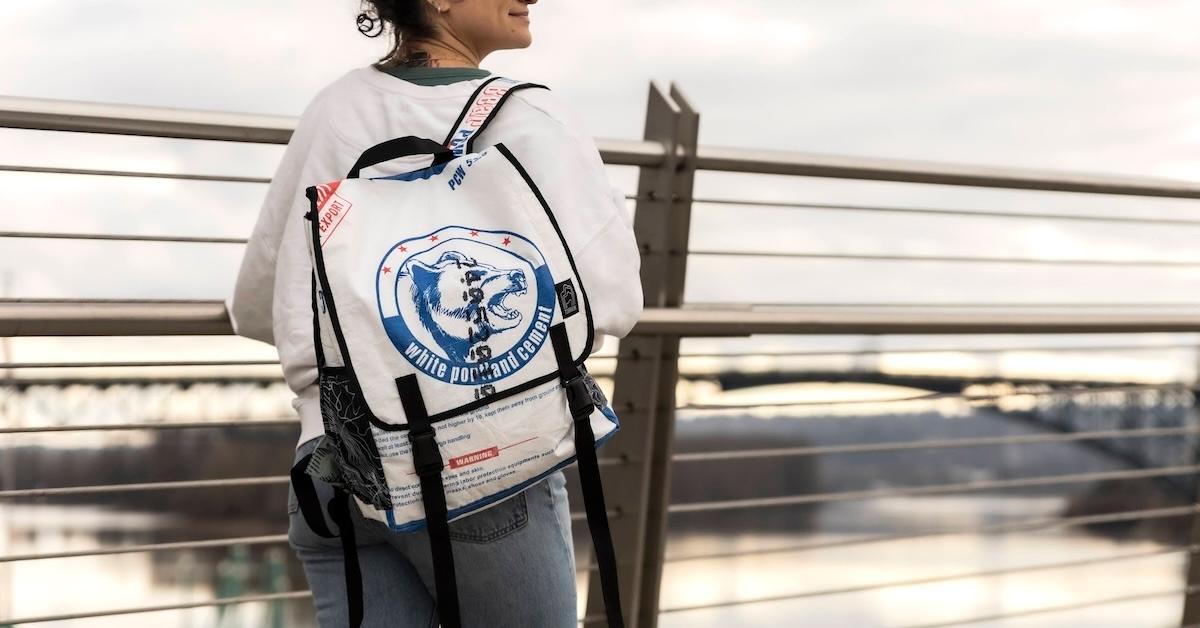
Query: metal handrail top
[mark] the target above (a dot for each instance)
(116, 317)
(92, 117)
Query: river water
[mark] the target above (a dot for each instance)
(65, 585)
(848, 583)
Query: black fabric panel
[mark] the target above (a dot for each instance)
(351, 442)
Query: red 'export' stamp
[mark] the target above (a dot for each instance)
(331, 209)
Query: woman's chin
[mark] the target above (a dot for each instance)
(519, 37)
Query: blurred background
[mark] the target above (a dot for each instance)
(1103, 86)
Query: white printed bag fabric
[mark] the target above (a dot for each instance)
(454, 274)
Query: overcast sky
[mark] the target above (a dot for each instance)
(1090, 85)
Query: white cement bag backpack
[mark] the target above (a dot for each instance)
(451, 326)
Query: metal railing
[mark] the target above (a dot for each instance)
(638, 464)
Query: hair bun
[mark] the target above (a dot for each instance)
(407, 19)
(369, 25)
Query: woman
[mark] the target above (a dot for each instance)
(514, 560)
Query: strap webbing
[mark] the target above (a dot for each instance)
(580, 401)
(339, 509)
(483, 105)
(428, 462)
(317, 338)
(339, 512)
(396, 148)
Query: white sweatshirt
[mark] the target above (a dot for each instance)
(271, 301)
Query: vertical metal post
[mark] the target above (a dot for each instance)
(648, 367)
(1191, 599)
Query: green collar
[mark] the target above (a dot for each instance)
(436, 76)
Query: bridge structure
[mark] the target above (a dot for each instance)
(646, 367)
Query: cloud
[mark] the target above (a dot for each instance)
(1101, 85)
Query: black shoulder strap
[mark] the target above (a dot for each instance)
(581, 405)
(483, 105)
(474, 117)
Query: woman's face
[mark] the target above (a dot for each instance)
(490, 25)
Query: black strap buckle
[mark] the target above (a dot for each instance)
(579, 398)
(426, 457)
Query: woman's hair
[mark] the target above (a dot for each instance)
(407, 20)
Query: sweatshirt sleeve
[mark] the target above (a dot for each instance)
(251, 304)
(565, 164)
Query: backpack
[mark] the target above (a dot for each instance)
(450, 327)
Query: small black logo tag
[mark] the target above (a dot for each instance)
(567, 298)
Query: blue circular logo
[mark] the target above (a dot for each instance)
(466, 306)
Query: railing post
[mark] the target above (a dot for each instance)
(648, 368)
(1191, 599)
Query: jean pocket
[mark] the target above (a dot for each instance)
(492, 523)
(293, 504)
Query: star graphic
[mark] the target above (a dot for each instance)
(474, 233)
(433, 238)
(507, 241)
(386, 270)
(403, 249)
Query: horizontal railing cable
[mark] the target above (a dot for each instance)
(765, 161)
(120, 237)
(985, 441)
(947, 258)
(970, 399)
(934, 489)
(986, 573)
(92, 117)
(223, 483)
(167, 363)
(158, 379)
(144, 486)
(152, 547)
(241, 599)
(728, 354)
(133, 174)
(914, 350)
(1134, 597)
(164, 425)
(740, 320)
(1026, 525)
(950, 212)
(141, 317)
(1033, 305)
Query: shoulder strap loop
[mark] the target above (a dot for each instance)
(483, 105)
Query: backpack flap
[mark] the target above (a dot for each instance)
(463, 297)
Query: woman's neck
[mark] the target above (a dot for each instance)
(443, 54)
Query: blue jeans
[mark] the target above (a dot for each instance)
(514, 561)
